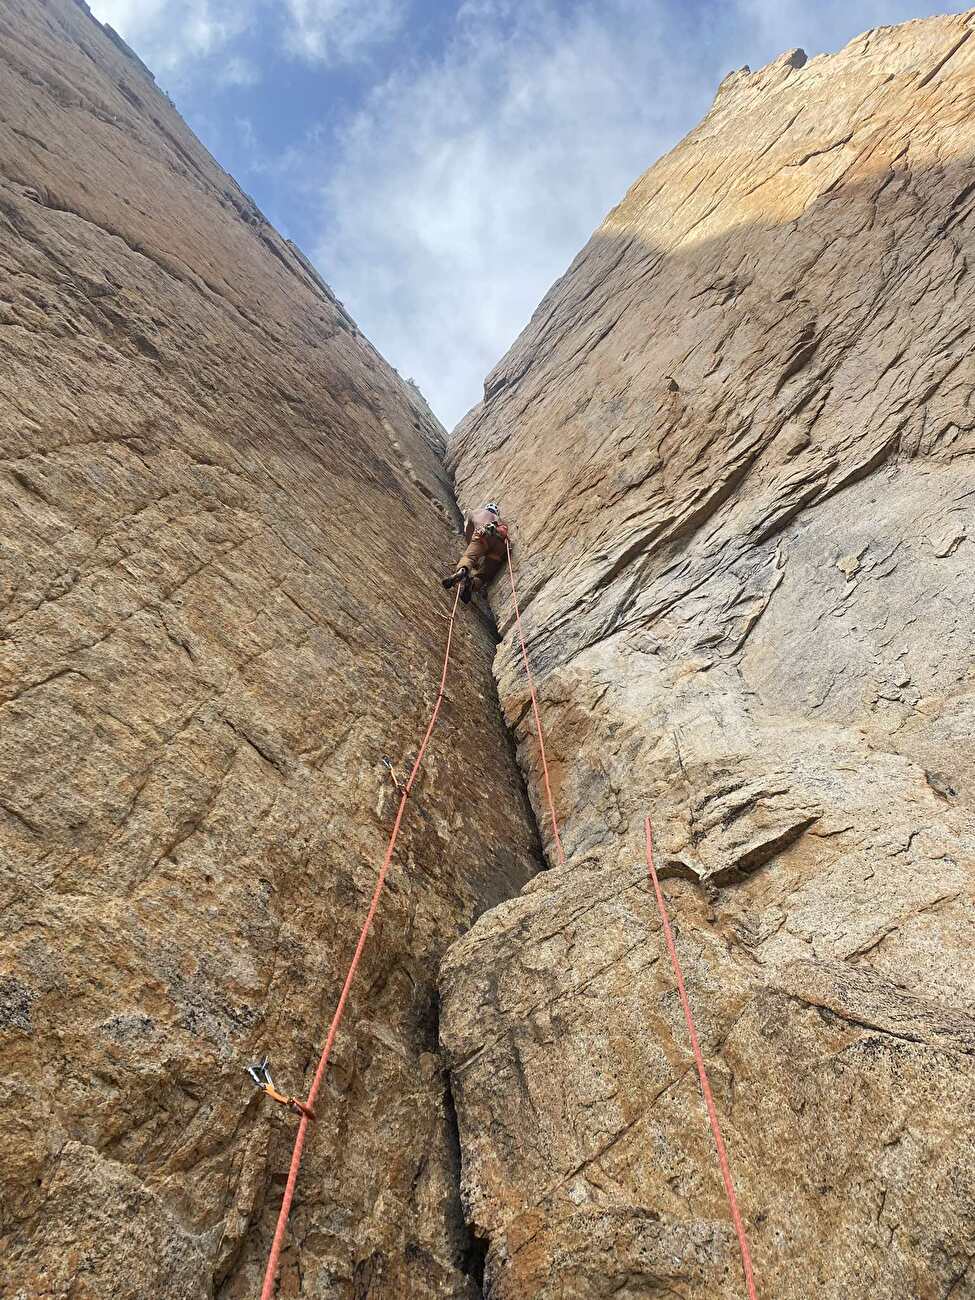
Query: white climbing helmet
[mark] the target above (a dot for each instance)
(494, 508)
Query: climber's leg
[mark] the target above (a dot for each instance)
(486, 572)
(468, 565)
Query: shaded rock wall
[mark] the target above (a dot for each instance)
(736, 445)
(220, 517)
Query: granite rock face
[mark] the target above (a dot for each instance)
(736, 444)
(221, 519)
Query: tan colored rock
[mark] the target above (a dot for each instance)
(221, 519)
(736, 446)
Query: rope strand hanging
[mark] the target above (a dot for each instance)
(729, 1186)
(675, 962)
(538, 721)
(306, 1108)
(277, 1244)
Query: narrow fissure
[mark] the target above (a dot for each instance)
(470, 1250)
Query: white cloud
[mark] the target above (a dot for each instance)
(465, 185)
(459, 185)
(247, 135)
(173, 37)
(340, 31)
(125, 15)
(239, 71)
(826, 24)
(170, 36)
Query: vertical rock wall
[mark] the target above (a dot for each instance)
(737, 446)
(221, 516)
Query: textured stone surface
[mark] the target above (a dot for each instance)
(736, 447)
(220, 517)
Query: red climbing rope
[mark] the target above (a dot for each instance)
(289, 1191)
(538, 720)
(702, 1072)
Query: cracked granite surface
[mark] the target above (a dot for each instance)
(221, 519)
(736, 446)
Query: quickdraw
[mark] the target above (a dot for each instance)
(261, 1075)
(388, 764)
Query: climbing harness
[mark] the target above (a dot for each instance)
(271, 1272)
(498, 530)
(729, 1187)
(261, 1074)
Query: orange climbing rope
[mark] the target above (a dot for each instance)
(307, 1107)
(272, 1264)
(538, 720)
(674, 960)
(729, 1186)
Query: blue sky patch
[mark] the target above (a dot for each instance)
(442, 161)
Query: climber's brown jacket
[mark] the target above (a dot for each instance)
(485, 550)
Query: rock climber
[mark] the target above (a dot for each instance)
(487, 538)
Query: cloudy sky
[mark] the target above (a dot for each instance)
(442, 161)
